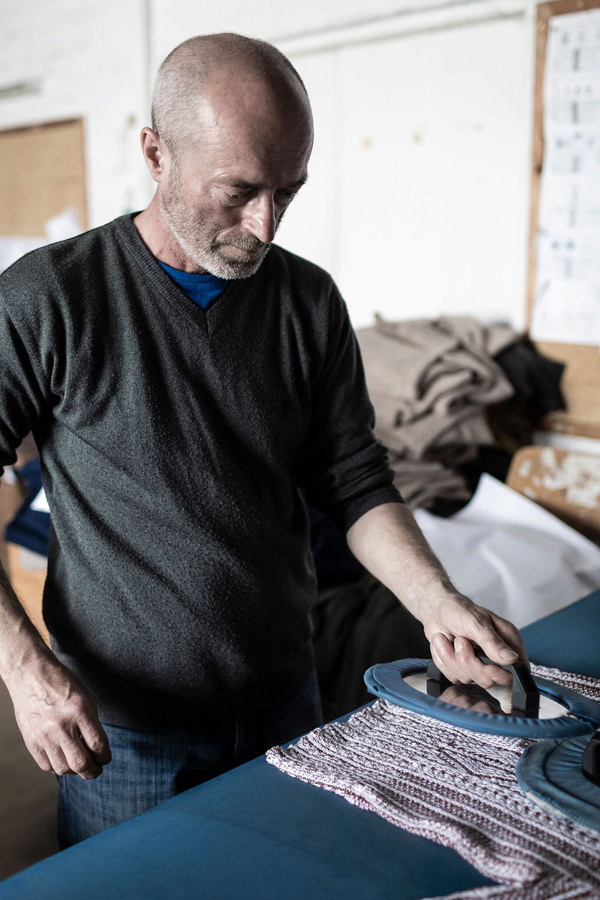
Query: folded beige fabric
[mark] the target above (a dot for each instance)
(430, 382)
(423, 481)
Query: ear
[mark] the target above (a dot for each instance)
(155, 153)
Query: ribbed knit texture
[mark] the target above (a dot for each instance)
(457, 788)
(174, 445)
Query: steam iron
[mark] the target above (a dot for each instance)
(531, 707)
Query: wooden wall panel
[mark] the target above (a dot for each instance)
(42, 171)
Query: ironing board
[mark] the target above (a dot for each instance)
(257, 833)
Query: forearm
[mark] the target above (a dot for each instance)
(21, 645)
(390, 544)
(57, 718)
(388, 541)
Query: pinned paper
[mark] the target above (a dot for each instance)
(567, 299)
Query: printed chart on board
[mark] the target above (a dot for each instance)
(567, 299)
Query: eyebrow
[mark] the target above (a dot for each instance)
(247, 186)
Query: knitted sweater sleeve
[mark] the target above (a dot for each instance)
(347, 469)
(23, 387)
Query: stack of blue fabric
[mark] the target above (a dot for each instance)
(30, 528)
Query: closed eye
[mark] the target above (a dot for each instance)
(286, 195)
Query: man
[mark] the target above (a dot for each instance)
(185, 381)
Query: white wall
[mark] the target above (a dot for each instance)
(87, 59)
(418, 192)
(431, 173)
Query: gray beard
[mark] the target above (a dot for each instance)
(211, 260)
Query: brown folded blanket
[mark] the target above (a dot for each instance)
(430, 383)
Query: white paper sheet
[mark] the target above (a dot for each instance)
(567, 300)
(59, 228)
(40, 502)
(510, 555)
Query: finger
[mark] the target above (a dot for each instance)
(487, 637)
(457, 660)
(79, 758)
(96, 740)
(38, 752)
(40, 756)
(58, 761)
(442, 653)
(511, 636)
(473, 669)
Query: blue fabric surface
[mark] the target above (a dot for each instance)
(551, 770)
(568, 639)
(252, 833)
(30, 528)
(581, 715)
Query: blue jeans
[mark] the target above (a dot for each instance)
(149, 766)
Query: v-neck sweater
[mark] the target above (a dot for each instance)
(176, 445)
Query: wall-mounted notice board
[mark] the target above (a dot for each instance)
(564, 252)
(42, 172)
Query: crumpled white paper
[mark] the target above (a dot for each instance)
(509, 554)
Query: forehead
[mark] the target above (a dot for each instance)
(252, 158)
(248, 132)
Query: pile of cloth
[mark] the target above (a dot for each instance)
(433, 384)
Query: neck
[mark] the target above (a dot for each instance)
(159, 240)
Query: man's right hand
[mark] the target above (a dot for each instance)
(58, 719)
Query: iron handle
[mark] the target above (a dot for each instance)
(525, 694)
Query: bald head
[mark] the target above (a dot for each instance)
(229, 148)
(246, 70)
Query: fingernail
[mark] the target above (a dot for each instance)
(508, 654)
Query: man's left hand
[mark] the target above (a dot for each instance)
(455, 626)
(390, 544)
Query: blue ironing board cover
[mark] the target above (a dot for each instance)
(552, 772)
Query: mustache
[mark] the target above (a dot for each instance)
(245, 242)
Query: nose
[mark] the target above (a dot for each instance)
(261, 217)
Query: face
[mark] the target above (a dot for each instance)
(225, 194)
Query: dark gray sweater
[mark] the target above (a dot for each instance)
(175, 444)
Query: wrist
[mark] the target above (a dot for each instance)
(429, 603)
(24, 655)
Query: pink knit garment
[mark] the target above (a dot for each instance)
(457, 788)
